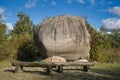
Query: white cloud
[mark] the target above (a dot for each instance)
(1, 11)
(81, 1)
(53, 3)
(31, 3)
(115, 10)
(111, 23)
(69, 1)
(9, 26)
(108, 32)
(92, 2)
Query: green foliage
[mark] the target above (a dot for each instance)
(27, 51)
(22, 34)
(4, 52)
(110, 55)
(104, 47)
(22, 37)
(19, 45)
(95, 42)
(3, 49)
(2, 33)
(23, 25)
(116, 38)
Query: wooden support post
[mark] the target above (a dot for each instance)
(21, 68)
(85, 68)
(18, 69)
(60, 68)
(48, 69)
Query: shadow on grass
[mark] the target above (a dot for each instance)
(77, 74)
(9, 70)
(36, 72)
(114, 72)
(94, 74)
(27, 71)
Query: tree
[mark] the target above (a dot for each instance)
(23, 25)
(116, 38)
(93, 43)
(96, 43)
(3, 38)
(3, 28)
(23, 46)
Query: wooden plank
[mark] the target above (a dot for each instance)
(74, 63)
(41, 64)
(32, 64)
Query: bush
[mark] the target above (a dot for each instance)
(27, 51)
(4, 52)
(20, 47)
(111, 55)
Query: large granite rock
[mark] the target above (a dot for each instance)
(64, 36)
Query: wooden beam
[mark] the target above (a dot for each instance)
(32, 64)
(74, 63)
(45, 64)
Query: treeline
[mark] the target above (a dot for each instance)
(18, 43)
(105, 47)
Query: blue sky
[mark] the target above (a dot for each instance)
(99, 12)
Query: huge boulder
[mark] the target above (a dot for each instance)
(65, 36)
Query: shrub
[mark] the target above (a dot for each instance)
(27, 51)
(111, 55)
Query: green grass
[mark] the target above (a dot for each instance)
(98, 72)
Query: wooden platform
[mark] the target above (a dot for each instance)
(19, 65)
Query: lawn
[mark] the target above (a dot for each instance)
(100, 71)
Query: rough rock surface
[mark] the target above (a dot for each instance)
(64, 36)
(54, 59)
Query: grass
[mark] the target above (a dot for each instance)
(98, 72)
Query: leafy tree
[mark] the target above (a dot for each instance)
(3, 28)
(94, 42)
(116, 38)
(23, 25)
(3, 38)
(97, 43)
(2, 32)
(24, 47)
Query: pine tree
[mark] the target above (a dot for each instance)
(23, 25)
